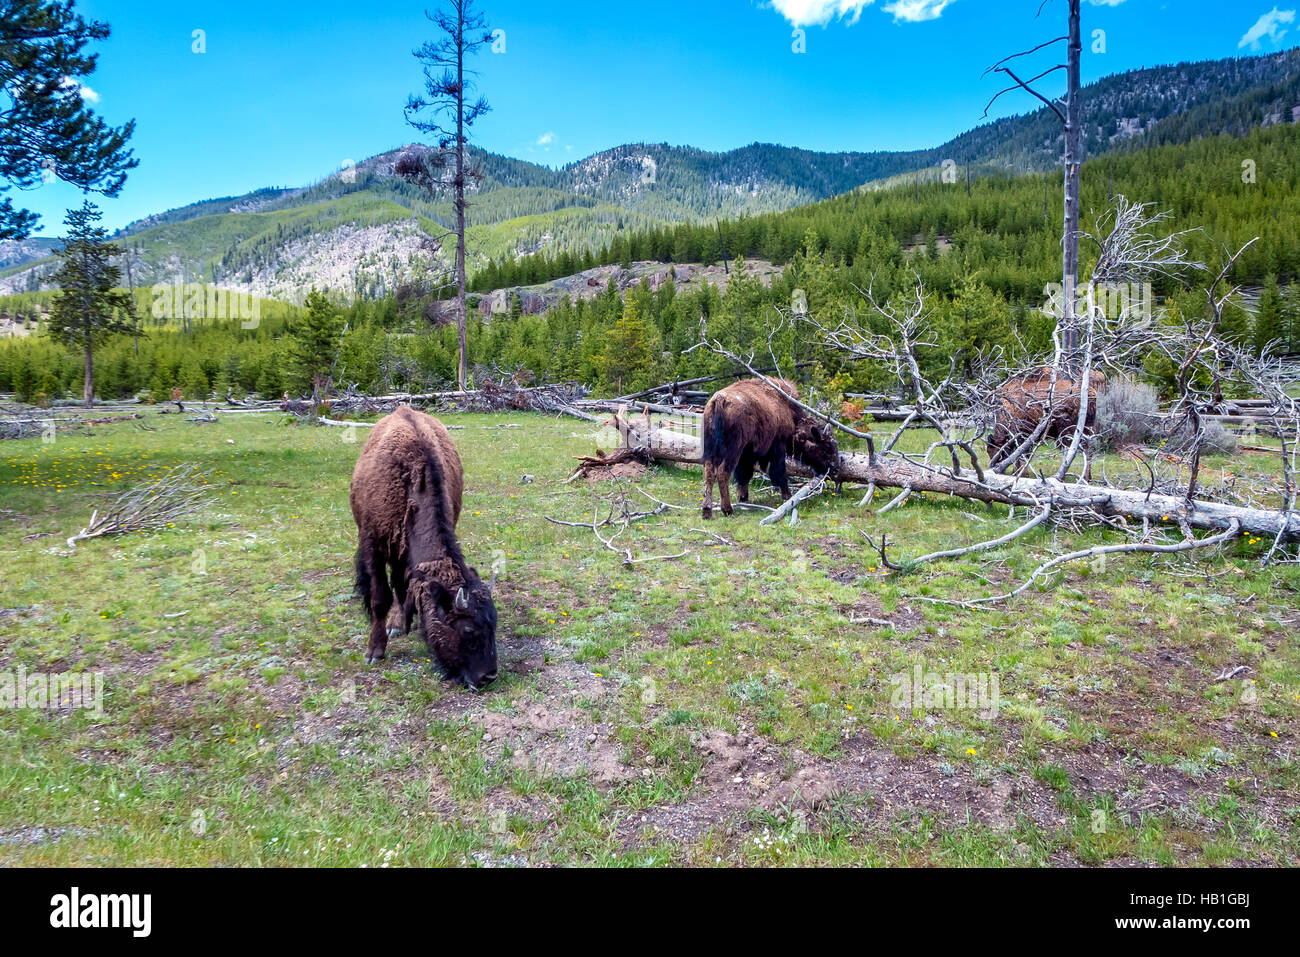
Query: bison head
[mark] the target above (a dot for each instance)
(459, 623)
(815, 446)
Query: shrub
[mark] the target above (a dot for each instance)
(1216, 440)
(1128, 413)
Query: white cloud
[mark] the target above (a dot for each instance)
(87, 94)
(914, 11)
(806, 13)
(546, 139)
(1269, 25)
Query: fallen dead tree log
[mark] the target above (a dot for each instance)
(493, 397)
(613, 405)
(894, 471)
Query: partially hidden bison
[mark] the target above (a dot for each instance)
(1023, 401)
(750, 424)
(406, 499)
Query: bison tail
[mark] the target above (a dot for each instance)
(715, 434)
(363, 583)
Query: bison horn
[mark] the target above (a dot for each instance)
(462, 601)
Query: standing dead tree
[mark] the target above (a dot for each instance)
(1117, 331)
(1069, 110)
(446, 112)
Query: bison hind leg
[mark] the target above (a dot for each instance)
(723, 475)
(778, 474)
(362, 589)
(372, 584)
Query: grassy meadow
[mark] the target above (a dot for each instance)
(731, 707)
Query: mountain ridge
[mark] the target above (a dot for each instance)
(361, 231)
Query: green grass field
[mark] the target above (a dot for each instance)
(731, 707)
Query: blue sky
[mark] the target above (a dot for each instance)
(288, 91)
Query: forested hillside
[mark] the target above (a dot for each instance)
(1008, 227)
(985, 259)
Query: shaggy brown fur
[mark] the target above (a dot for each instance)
(1025, 399)
(406, 500)
(750, 425)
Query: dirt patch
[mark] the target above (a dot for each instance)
(553, 742)
(625, 463)
(869, 611)
(37, 835)
(743, 771)
(1140, 788)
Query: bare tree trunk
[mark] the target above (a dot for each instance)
(88, 389)
(462, 373)
(1073, 163)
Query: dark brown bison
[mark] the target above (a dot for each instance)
(1023, 400)
(750, 424)
(406, 492)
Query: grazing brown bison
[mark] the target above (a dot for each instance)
(405, 497)
(750, 424)
(1023, 400)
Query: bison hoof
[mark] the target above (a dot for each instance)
(728, 512)
(374, 657)
(394, 632)
(707, 513)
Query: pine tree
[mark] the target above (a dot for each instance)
(315, 343)
(89, 307)
(1291, 319)
(47, 130)
(627, 361)
(977, 321)
(446, 112)
(1269, 320)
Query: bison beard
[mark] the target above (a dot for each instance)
(406, 499)
(749, 425)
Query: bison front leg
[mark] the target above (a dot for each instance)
(396, 624)
(744, 475)
(778, 474)
(399, 618)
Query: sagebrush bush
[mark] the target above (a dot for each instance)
(1128, 413)
(1215, 440)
